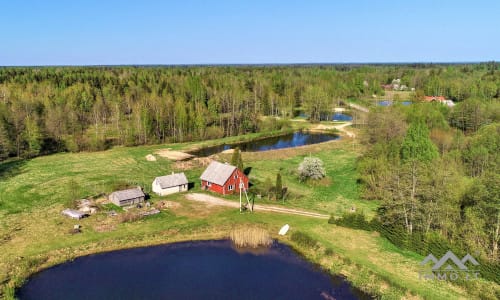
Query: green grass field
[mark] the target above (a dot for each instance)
(33, 234)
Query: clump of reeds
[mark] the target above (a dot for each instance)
(250, 237)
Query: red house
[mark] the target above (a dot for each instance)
(435, 98)
(223, 178)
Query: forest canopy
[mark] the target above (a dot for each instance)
(54, 109)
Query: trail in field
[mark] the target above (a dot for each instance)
(340, 127)
(212, 200)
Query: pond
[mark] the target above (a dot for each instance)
(330, 117)
(389, 103)
(271, 143)
(189, 270)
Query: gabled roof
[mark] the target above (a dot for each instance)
(127, 194)
(434, 98)
(217, 172)
(171, 180)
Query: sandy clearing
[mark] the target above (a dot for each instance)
(340, 127)
(174, 155)
(216, 201)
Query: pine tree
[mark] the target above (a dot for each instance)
(236, 157)
(279, 187)
(240, 163)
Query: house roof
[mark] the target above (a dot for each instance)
(171, 180)
(127, 194)
(217, 172)
(434, 98)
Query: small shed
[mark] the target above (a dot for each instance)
(75, 214)
(127, 197)
(169, 184)
(223, 178)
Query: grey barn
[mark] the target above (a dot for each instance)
(127, 197)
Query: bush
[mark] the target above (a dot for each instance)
(356, 220)
(304, 240)
(311, 168)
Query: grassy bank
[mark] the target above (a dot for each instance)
(33, 234)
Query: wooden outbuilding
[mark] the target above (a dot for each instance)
(223, 178)
(169, 184)
(127, 197)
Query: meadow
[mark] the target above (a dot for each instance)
(33, 234)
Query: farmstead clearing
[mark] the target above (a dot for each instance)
(33, 234)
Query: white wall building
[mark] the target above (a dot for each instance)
(169, 184)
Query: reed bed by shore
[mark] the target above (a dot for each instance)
(250, 237)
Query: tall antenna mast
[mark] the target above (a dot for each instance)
(242, 187)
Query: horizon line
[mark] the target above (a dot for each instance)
(256, 64)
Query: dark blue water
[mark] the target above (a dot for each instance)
(341, 117)
(271, 143)
(190, 270)
(330, 117)
(389, 103)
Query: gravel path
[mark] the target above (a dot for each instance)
(216, 201)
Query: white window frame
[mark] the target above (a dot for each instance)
(230, 187)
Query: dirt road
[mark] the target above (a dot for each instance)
(340, 127)
(215, 201)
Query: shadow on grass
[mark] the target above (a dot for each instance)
(11, 168)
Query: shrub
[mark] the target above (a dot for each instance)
(356, 220)
(311, 168)
(304, 240)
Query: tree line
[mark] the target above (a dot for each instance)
(52, 109)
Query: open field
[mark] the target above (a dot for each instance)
(33, 234)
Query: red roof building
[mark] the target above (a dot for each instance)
(434, 98)
(223, 178)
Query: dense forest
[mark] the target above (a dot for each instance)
(53, 109)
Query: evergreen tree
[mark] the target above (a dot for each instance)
(235, 159)
(417, 145)
(279, 187)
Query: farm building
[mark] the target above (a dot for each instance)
(439, 99)
(127, 197)
(223, 178)
(169, 184)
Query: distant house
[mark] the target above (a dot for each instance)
(127, 197)
(223, 178)
(439, 99)
(169, 184)
(434, 98)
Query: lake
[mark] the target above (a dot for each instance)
(271, 143)
(189, 270)
(330, 117)
(389, 103)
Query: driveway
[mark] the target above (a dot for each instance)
(216, 201)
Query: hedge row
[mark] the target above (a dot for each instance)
(421, 243)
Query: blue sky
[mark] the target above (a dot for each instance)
(211, 32)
